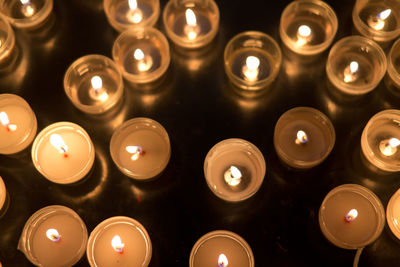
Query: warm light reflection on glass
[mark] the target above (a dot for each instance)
(388, 147)
(233, 176)
(191, 29)
(28, 9)
(351, 215)
(378, 22)
(53, 235)
(144, 62)
(301, 138)
(222, 261)
(136, 151)
(6, 122)
(251, 68)
(134, 14)
(98, 92)
(304, 35)
(351, 72)
(58, 142)
(117, 244)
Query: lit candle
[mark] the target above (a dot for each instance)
(134, 14)
(351, 216)
(3, 194)
(378, 22)
(351, 72)
(234, 169)
(119, 241)
(54, 236)
(144, 63)
(27, 8)
(191, 28)
(63, 152)
(303, 137)
(223, 249)
(251, 68)
(140, 148)
(304, 35)
(393, 214)
(18, 124)
(97, 91)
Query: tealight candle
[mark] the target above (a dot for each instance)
(18, 124)
(191, 24)
(3, 194)
(119, 241)
(7, 39)
(221, 248)
(377, 20)
(94, 84)
(63, 152)
(393, 66)
(127, 14)
(252, 60)
(140, 148)
(380, 140)
(308, 27)
(142, 54)
(26, 13)
(356, 65)
(393, 214)
(234, 169)
(54, 236)
(303, 137)
(351, 216)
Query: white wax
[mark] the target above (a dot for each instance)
(3, 193)
(53, 164)
(207, 249)
(393, 214)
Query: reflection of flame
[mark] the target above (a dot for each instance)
(378, 22)
(99, 91)
(6, 122)
(136, 151)
(117, 244)
(58, 142)
(191, 29)
(351, 215)
(303, 35)
(222, 261)
(251, 70)
(389, 147)
(53, 235)
(301, 137)
(351, 72)
(233, 176)
(144, 63)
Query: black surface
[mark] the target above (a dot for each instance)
(198, 109)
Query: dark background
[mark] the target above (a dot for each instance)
(198, 107)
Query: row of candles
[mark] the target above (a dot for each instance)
(351, 216)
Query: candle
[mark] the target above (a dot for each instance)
(380, 140)
(308, 27)
(94, 84)
(221, 248)
(351, 216)
(191, 24)
(393, 68)
(3, 194)
(142, 54)
(377, 20)
(27, 13)
(303, 137)
(18, 124)
(140, 148)
(393, 214)
(356, 65)
(63, 152)
(119, 241)
(252, 60)
(127, 14)
(7, 40)
(54, 236)
(234, 169)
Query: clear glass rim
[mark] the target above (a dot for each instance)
(390, 216)
(391, 69)
(8, 46)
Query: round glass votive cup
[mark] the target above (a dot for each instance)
(7, 38)
(393, 63)
(221, 248)
(356, 65)
(234, 169)
(191, 23)
(380, 140)
(28, 13)
(252, 60)
(393, 214)
(18, 124)
(94, 84)
(351, 216)
(142, 54)
(140, 148)
(126, 14)
(63, 153)
(377, 20)
(303, 137)
(3, 194)
(132, 245)
(54, 236)
(307, 27)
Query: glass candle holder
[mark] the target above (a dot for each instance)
(126, 14)
(234, 169)
(63, 152)
(18, 124)
(351, 216)
(393, 65)
(119, 241)
(54, 236)
(94, 84)
(142, 54)
(356, 65)
(7, 39)
(252, 60)
(303, 137)
(380, 140)
(221, 248)
(3, 194)
(393, 214)
(140, 148)
(377, 20)
(307, 27)
(26, 13)
(191, 23)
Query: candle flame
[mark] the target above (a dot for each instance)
(350, 72)
(97, 82)
(301, 137)
(389, 147)
(190, 17)
(58, 142)
(138, 54)
(351, 215)
(251, 68)
(134, 14)
(144, 63)
(136, 151)
(385, 14)
(98, 91)
(378, 22)
(53, 235)
(233, 176)
(132, 4)
(222, 261)
(117, 244)
(6, 122)
(304, 31)
(28, 8)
